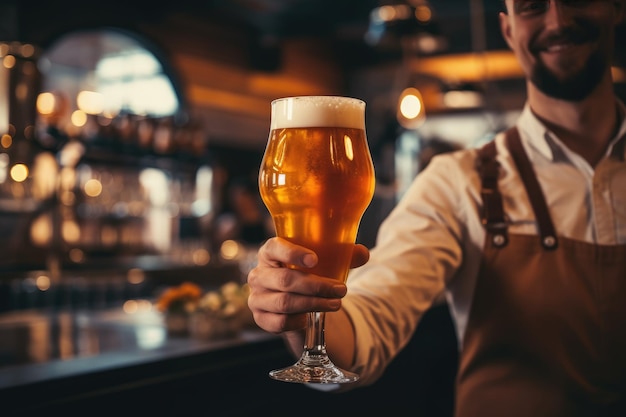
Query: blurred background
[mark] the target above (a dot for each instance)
(131, 132)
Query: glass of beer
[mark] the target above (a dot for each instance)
(317, 179)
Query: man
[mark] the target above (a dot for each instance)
(527, 236)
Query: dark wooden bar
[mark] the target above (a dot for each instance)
(185, 376)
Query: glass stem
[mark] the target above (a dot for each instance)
(314, 343)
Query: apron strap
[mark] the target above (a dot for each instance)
(492, 216)
(533, 189)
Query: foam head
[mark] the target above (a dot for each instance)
(317, 111)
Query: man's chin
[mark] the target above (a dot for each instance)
(566, 91)
(572, 88)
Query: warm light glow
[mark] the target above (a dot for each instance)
(70, 231)
(27, 50)
(135, 276)
(71, 154)
(19, 172)
(411, 112)
(462, 99)
(90, 102)
(204, 191)
(229, 249)
(68, 198)
(130, 307)
(410, 106)
(4, 167)
(93, 187)
(201, 257)
(41, 230)
(389, 13)
(79, 118)
(136, 306)
(226, 100)
(155, 182)
(44, 175)
(428, 43)
(8, 61)
(49, 104)
(423, 13)
(134, 80)
(43, 282)
(472, 67)
(6, 141)
(110, 114)
(385, 13)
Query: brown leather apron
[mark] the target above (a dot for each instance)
(546, 335)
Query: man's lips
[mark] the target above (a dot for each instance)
(562, 41)
(558, 47)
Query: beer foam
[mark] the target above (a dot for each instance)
(317, 111)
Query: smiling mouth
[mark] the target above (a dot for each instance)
(559, 47)
(562, 42)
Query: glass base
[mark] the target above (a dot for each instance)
(314, 369)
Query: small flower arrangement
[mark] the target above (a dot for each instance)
(229, 301)
(206, 314)
(179, 300)
(221, 313)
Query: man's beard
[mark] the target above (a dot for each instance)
(575, 87)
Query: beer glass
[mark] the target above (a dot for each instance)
(317, 179)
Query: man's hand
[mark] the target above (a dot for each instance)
(281, 296)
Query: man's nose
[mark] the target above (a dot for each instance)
(557, 16)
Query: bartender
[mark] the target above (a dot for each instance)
(526, 236)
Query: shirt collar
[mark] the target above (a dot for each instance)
(548, 145)
(534, 132)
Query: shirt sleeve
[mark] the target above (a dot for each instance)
(418, 251)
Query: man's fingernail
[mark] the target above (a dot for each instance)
(309, 260)
(339, 290)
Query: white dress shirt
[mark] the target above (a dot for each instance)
(433, 239)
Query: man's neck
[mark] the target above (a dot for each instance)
(586, 127)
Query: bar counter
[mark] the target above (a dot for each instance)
(111, 363)
(92, 361)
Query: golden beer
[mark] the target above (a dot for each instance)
(317, 179)
(317, 176)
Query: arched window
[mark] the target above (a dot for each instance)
(109, 72)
